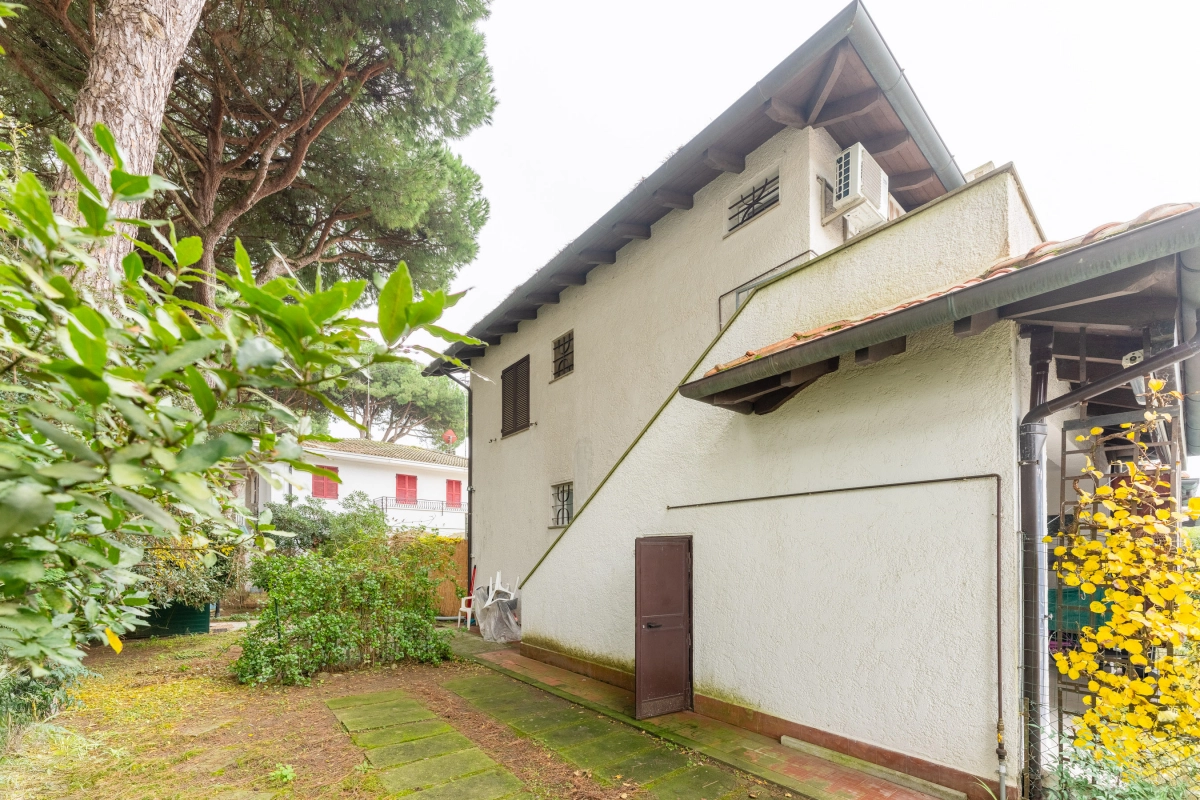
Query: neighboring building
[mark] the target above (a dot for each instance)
(800, 427)
(413, 485)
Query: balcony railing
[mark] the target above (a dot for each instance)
(438, 506)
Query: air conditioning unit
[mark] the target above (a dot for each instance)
(860, 189)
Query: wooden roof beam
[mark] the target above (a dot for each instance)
(598, 256)
(631, 230)
(673, 199)
(911, 180)
(724, 160)
(829, 77)
(569, 279)
(884, 146)
(848, 108)
(521, 314)
(975, 324)
(548, 297)
(498, 328)
(786, 114)
(490, 339)
(470, 352)
(878, 352)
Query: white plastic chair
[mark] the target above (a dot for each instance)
(465, 607)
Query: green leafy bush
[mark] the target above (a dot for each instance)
(128, 412)
(371, 601)
(25, 699)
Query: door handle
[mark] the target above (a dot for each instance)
(653, 624)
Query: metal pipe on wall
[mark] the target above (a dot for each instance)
(470, 468)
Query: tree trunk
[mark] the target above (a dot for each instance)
(138, 46)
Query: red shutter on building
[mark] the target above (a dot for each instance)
(406, 488)
(325, 488)
(454, 493)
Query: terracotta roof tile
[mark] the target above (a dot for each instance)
(407, 452)
(1005, 266)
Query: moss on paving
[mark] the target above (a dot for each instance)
(416, 752)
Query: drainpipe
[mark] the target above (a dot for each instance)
(1035, 681)
(470, 467)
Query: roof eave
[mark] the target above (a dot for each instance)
(1145, 243)
(851, 23)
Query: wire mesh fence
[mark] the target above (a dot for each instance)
(1074, 738)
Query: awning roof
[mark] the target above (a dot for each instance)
(1049, 267)
(844, 78)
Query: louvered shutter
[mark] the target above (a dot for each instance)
(454, 494)
(325, 488)
(406, 488)
(514, 397)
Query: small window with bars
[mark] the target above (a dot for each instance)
(323, 487)
(753, 201)
(514, 397)
(564, 355)
(562, 504)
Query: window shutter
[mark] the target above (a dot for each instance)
(454, 493)
(406, 488)
(514, 397)
(325, 488)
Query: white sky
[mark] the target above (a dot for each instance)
(1093, 101)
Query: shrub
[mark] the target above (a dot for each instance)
(24, 699)
(372, 601)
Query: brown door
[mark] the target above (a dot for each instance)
(663, 607)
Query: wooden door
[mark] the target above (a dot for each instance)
(663, 608)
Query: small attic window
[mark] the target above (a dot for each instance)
(753, 200)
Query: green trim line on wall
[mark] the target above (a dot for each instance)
(1008, 169)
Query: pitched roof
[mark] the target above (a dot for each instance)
(405, 452)
(1041, 252)
(844, 71)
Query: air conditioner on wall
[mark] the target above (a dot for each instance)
(860, 189)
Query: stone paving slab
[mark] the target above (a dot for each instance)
(645, 767)
(807, 775)
(382, 715)
(588, 728)
(404, 732)
(697, 783)
(486, 786)
(366, 699)
(603, 751)
(395, 754)
(436, 771)
(547, 720)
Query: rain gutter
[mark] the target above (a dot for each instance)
(1146, 243)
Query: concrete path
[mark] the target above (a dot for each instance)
(418, 752)
(807, 775)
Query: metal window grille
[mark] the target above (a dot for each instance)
(753, 201)
(514, 397)
(562, 503)
(844, 166)
(564, 354)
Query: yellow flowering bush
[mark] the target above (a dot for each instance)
(1126, 552)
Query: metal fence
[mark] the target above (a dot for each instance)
(439, 506)
(1069, 612)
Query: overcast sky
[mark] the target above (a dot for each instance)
(1093, 101)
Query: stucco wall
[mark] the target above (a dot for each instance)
(870, 615)
(639, 324)
(377, 477)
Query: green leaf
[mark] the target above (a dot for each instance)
(206, 401)
(394, 300)
(129, 187)
(94, 214)
(242, 259)
(325, 305)
(334, 408)
(91, 348)
(31, 202)
(201, 456)
(68, 472)
(133, 266)
(106, 142)
(427, 309)
(258, 352)
(188, 251)
(151, 511)
(66, 291)
(65, 441)
(22, 571)
(129, 475)
(25, 507)
(93, 391)
(450, 336)
(68, 157)
(187, 355)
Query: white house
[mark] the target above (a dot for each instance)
(769, 441)
(413, 485)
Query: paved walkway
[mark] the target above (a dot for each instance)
(808, 775)
(418, 752)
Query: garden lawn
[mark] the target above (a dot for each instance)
(164, 720)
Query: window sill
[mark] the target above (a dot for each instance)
(564, 376)
(555, 527)
(510, 434)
